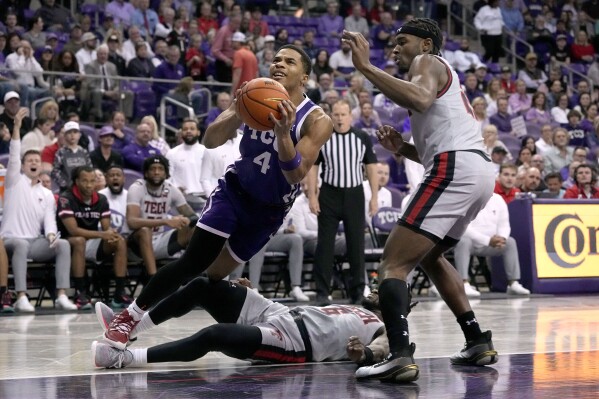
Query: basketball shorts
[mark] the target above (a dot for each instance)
(451, 194)
(248, 225)
(93, 250)
(160, 244)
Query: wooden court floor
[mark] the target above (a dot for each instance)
(548, 348)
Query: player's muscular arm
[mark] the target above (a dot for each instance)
(222, 128)
(316, 130)
(186, 211)
(357, 352)
(419, 92)
(135, 221)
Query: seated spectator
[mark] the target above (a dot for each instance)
(74, 44)
(12, 104)
(100, 180)
(560, 53)
(157, 141)
(528, 142)
(578, 133)
(29, 224)
(556, 89)
(308, 44)
(531, 180)
(498, 157)
(223, 101)
(113, 41)
(491, 140)
(54, 15)
(88, 52)
(582, 50)
(489, 235)
(537, 113)
(84, 220)
(185, 162)
(539, 36)
(585, 187)
(104, 156)
(330, 25)
(505, 186)
(523, 159)
(384, 32)
(137, 151)
(356, 88)
(35, 35)
(502, 119)
(331, 97)
(149, 203)
(465, 60)
(28, 73)
(584, 102)
(128, 51)
(506, 80)
(66, 87)
(341, 63)
(141, 66)
(285, 240)
(559, 113)
(364, 97)
(545, 142)
(384, 197)
(366, 120)
(40, 137)
(533, 77)
(169, 69)
(520, 101)
(554, 181)
(325, 82)
(69, 157)
(471, 88)
(50, 112)
(321, 64)
(121, 139)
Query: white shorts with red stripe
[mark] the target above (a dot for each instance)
(281, 341)
(450, 196)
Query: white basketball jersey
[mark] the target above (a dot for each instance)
(449, 124)
(331, 326)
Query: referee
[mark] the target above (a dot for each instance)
(341, 198)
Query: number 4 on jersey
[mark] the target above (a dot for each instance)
(264, 161)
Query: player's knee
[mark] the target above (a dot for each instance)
(62, 246)
(77, 243)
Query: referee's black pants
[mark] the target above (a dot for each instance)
(347, 205)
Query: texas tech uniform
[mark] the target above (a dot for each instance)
(328, 328)
(253, 197)
(459, 178)
(87, 216)
(156, 205)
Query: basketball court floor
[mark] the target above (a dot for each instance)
(548, 348)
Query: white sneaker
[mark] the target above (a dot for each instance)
(367, 291)
(22, 305)
(297, 294)
(63, 302)
(517, 289)
(433, 291)
(470, 290)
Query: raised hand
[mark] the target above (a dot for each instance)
(360, 48)
(283, 126)
(390, 138)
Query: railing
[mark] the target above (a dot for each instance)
(466, 19)
(164, 125)
(514, 39)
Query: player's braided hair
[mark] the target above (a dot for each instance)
(431, 26)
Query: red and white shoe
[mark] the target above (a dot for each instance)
(105, 315)
(119, 330)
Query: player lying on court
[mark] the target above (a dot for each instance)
(253, 327)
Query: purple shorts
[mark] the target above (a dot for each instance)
(232, 213)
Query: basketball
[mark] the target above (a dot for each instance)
(258, 99)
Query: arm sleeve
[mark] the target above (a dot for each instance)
(13, 168)
(135, 194)
(503, 224)
(50, 214)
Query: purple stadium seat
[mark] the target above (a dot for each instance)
(533, 129)
(91, 132)
(131, 176)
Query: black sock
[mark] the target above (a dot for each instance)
(3, 290)
(469, 326)
(120, 288)
(394, 301)
(79, 284)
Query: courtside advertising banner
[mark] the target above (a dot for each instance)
(566, 240)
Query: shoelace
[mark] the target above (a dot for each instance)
(123, 324)
(118, 360)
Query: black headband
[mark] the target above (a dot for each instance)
(421, 33)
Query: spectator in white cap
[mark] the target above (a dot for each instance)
(87, 53)
(245, 63)
(269, 44)
(12, 104)
(104, 156)
(69, 157)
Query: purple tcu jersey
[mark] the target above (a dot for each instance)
(258, 168)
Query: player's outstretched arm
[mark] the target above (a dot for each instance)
(316, 130)
(372, 353)
(219, 131)
(417, 94)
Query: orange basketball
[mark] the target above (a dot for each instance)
(258, 99)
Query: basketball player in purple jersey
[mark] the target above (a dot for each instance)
(457, 184)
(252, 198)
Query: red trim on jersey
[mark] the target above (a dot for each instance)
(430, 189)
(265, 354)
(449, 80)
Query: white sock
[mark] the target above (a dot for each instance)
(135, 311)
(144, 324)
(140, 356)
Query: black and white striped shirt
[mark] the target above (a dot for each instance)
(342, 158)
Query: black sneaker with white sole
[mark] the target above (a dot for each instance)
(394, 368)
(479, 352)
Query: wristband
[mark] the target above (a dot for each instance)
(293, 163)
(368, 357)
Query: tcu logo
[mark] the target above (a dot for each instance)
(387, 215)
(265, 137)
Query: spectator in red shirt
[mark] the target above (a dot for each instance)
(506, 183)
(206, 21)
(586, 180)
(245, 63)
(582, 51)
(49, 151)
(257, 20)
(195, 59)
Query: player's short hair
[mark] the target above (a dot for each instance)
(431, 27)
(554, 175)
(161, 159)
(77, 172)
(30, 152)
(306, 61)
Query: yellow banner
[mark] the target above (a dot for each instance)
(566, 240)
